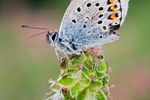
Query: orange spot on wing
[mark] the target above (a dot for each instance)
(113, 16)
(113, 8)
(111, 1)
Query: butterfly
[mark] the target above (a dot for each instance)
(88, 23)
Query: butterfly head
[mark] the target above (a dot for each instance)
(52, 37)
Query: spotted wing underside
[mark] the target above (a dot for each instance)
(85, 21)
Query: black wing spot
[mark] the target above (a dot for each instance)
(116, 15)
(99, 22)
(115, 27)
(112, 8)
(100, 36)
(104, 27)
(110, 24)
(115, 6)
(101, 8)
(84, 26)
(74, 21)
(101, 15)
(89, 4)
(79, 9)
(97, 4)
(110, 2)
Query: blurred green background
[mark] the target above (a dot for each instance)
(26, 65)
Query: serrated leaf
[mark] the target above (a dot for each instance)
(67, 94)
(89, 95)
(105, 80)
(94, 72)
(87, 72)
(74, 67)
(67, 81)
(66, 98)
(64, 64)
(77, 59)
(56, 87)
(101, 67)
(81, 96)
(100, 95)
(75, 88)
(89, 62)
(84, 79)
(101, 74)
(96, 84)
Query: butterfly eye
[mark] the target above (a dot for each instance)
(54, 36)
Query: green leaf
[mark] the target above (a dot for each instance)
(66, 98)
(96, 84)
(107, 93)
(94, 72)
(87, 94)
(100, 57)
(100, 95)
(67, 94)
(84, 79)
(64, 63)
(87, 72)
(105, 80)
(100, 75)
(56, 87)
(75, 88)
(77, 59)
(74, 67)
(82, 95)
(102, 66)
(67, 81)
(89, 62)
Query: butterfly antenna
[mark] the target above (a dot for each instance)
(30, 36)
(25, 26)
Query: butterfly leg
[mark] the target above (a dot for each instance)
(59, 54)
(56, 51)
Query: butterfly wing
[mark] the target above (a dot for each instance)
(91, 22)
(124, 9)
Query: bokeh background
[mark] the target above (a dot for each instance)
(26, 65)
